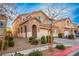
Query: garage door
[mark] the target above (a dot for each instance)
(66, 33)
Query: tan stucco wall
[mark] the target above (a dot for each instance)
(43, 32)
(63, 24)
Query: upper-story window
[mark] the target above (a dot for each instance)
(1, 24)
(68, 23)
(27, 17)
(40, 18)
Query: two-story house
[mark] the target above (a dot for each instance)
(32, 24)
(37, 24)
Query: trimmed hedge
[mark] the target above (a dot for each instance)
(43, 40)
(71, 36)
(34, 42)
(18, 54)
(61, 47)
(35, 53)
(31, 38)
(11, 43)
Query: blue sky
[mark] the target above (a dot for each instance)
(71, 11)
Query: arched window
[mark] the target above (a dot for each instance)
(41, 18)
(68, 23)
(1, 24)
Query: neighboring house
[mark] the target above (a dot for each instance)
(37, 24)
(3, 23)
(65, 26)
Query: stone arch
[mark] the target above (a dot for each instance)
(34, 30)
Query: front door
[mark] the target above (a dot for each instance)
(34, 31)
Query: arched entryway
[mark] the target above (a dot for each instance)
(34, 31)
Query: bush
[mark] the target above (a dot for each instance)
(61, 47)
(6, 37)
(60, 35)
(36, 53)
(43, 40)
(34, 42)
(71, 36)
(18, 54)
(11, 43)
(31, 38)
(5, 44)
(10, 38)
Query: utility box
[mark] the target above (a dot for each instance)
(3, 24)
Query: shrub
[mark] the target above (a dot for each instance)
(43, 40)
(34, 42)
(18, 54)
(11, 43)
(35, 53)
(31, 38)
(10, 38)
(6, 37)
(61, 47)
(60, 35)
(5, 44)
(71, 36)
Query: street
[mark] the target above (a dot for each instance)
(67, 41)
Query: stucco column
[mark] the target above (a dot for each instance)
(23, 34)
(29, 34)
(38, 35)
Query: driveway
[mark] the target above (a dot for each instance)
(67, 42)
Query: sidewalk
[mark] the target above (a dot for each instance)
(30, 50)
